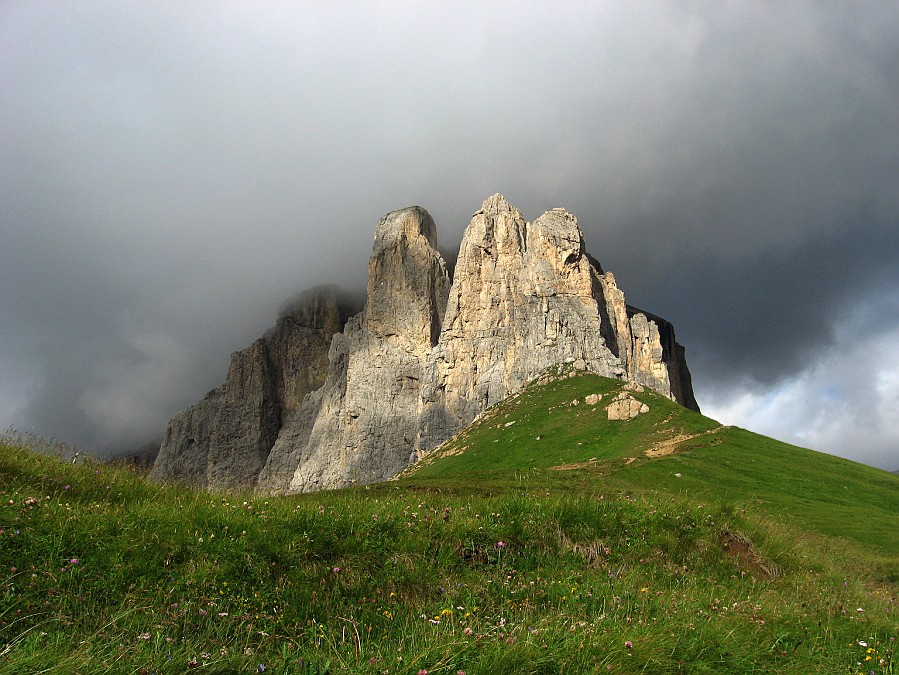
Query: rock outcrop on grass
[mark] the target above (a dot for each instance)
(328, 400)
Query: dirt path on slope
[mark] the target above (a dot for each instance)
(670, 445)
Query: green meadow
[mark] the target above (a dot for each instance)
(544, 539)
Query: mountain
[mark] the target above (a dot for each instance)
(332, 398)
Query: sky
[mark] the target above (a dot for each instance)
(172, 173)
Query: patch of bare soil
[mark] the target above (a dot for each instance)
(740, 549)
(570, 467)
(670, 445)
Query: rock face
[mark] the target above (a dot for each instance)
(522, 300)
(224, 440)
(329, 402)
(362, 426)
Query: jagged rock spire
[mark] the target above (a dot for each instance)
(423, 359)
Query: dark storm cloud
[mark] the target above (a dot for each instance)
(172, 174)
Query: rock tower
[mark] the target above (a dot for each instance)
(332, 398)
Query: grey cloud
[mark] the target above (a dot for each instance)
(172, 175)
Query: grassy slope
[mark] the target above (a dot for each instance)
(717, 465)
(757, 559)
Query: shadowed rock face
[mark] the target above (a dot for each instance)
(224, 440)
(324, 401)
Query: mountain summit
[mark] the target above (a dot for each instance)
(334, 396)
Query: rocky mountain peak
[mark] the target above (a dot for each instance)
(327, 399)
(496, 203)
(412, 222)
(407, 281)
(496, 229)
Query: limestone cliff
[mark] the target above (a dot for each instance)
(522, 300)
(224, 440)
(527, 296)
(356, 400)
(362, 426)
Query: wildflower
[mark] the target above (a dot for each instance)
(629, 645)
(67, 488)
(262, 668)
(500, 544)
(422, 672)
(74, 561)
(336, 570)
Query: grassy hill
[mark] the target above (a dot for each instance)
(544, 438)
(544, 539)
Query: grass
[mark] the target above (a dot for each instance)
(760, 557)
(540, 439)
